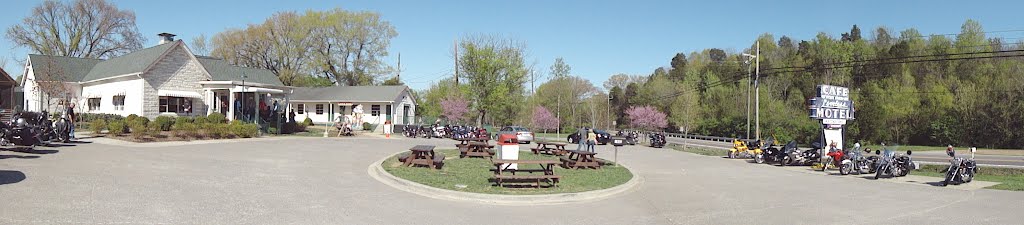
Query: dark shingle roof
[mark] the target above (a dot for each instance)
(69, 69)
(133, 62)
(349, 93)
(81, 69)
(220, 70)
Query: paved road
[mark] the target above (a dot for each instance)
(934, 157)
(325, 181)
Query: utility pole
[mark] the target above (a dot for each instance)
(456, 47)
(749, 81)
(757, 91)
(399, 74)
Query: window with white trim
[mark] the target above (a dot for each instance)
(319, 109)
(300, 108)
(375, 110)
(119, 102)
(94, 104)
(175, 104)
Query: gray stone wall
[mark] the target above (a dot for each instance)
(176, 71)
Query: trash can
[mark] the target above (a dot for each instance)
(508, 146)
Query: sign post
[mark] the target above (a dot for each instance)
(833, 107)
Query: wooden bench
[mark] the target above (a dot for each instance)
(477, 149)
(552, 180)
(546, 167)
(580, 159)
(422, 155)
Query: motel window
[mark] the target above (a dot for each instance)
(94, 104)
(341, 109)
(301, 108)
(175, 104)
(319, 109)
(119, 102)
(375, 110)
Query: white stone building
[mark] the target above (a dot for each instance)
(379, 103)
(166, 79)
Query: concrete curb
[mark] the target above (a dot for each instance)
(376, 171)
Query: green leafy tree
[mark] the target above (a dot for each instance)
(495, 71)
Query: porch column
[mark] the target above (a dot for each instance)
(231, 105)
(211, 102)
(256, 106)
(288, 107)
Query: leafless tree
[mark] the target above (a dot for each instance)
(199, 45)
(53, 86)
(83, 28)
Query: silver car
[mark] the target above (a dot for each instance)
(522, 134)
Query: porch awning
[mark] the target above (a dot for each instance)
(256, 89)
(118, 93)
(181, 94)
(344, 104)
(91, 94)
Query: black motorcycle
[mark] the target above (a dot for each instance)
(657, 140)
(776, 154)
(961, 170)
(892, 165)
(410, 130)
(24, 130)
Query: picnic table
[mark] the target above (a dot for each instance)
(465, 141)
(424, 155)
(550, 148)
(580, 159)
(476, 149)
(546, 167)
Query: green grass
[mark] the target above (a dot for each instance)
(903, 148)
(1011, 179)
(551, 136)
(475, 173)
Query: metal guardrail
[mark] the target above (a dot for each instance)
(697, 137)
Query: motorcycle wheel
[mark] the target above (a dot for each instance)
(845, 168)
(824, 166)
(878, 173)
(731, 155)
(968, 176)
(784, 160)
(949, 176)
(903, 171)
(759, 159)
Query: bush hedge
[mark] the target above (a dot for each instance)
(84, 118)
(216, 118)
(181, 120)
(200, 120)
(138, 129)
(97, 126)
(116, 127)
(164, 122)
(307, 122)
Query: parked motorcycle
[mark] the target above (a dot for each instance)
(796, 157)
(854, 160)
(892, 165)
(24, 130)
(410, 130)
(834, 157)
(630, 137)
(657, 140)
(961, 170)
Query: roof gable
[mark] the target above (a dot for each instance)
(62, 68)
(135, 62)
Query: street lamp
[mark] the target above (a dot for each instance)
(757, 88)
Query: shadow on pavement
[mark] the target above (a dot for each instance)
(35, 151)
(10, 177)
(55, 144)
(19, 156)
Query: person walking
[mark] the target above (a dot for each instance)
(591, 140)
(581, 139)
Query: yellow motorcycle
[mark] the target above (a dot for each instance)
(741, 149)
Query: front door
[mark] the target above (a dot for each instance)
(405, 114)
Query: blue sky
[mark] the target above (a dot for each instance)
(597, 38)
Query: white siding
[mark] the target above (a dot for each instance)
(132, 98)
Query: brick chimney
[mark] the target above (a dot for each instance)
(166, 38)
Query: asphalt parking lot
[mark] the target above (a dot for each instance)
(325, 181)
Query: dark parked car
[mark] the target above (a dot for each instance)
(602, 137)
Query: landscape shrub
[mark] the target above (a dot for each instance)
(97, 126)
(216, 130)
(182, 120)
(164, 122)
(215, 118)
(153, 130)
(367, 126)
(137, 121)
(84, 118)
(185, 129)
(116, 127)
(201, 120)
(130, 118)
(307, 122)
(138, 130)
(251, 130)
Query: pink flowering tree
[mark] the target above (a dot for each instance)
(455, 108)
(646, 117)
(543, 119)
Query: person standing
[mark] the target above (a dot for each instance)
(581, 139)
(591, 140)
(71, 118)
